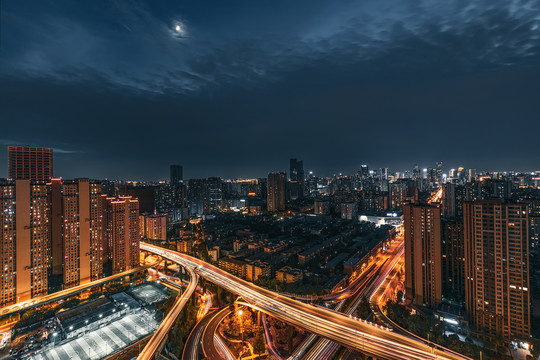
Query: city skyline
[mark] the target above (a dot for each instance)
(315, 180)
(383, 81)
(165, 173)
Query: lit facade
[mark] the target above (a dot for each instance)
(121, 231)
(154, 226)
(423, 272)
(25, 251)
(77, 251)
(497, 294)
(276, 192)
(30, 163)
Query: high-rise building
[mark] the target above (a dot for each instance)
(452, 200)
(215, 191)
(296, 184)
(198, 197)
(497, 294)
(471, 175)
(423, 273)
(453, 259)
(397, 194)
(173, 199)
(489, 188)
(321, 207)
(24, 227)
(416, 172)
(534, 223)
(121, 229)
(177, 174)
(145, 194)
(30, 163)
(297, 170)
(154, 226)
(276, 192)
(439, 172)
(349, 210)
(383, 173)
(364, 171)
(76, 231)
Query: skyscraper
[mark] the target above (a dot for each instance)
(439, 172)
(76, 231)
(452, 200)
(416, 172)
(121, 229)
(24, 227)
(198, 197)
(423, 273)
(296, 184)
(172, 199)
(177, 174)
(215, 191)
(276, 192)
(30, 163)
(489, 188)
(497, 294)
(364, 171)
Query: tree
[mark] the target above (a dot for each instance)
(399, 296)
(364, 309)
(290, 337)
(535, 351)
(259, 346)
(70, 303)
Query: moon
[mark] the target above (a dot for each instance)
(178, 28)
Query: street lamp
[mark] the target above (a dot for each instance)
(240, 312)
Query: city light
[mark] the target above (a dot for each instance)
(156, 190)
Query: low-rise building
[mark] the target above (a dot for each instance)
(184, 246)
(289, 275)
(256, 269)
(233, 266)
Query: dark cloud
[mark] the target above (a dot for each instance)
(241, 87)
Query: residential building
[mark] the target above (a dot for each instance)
(423, 273)
(30, 163)
(497, 293)
(24, 255)
(276, 192)
(121, 232)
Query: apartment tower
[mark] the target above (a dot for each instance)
(497, 294)
(121, 232)
(30, 163)
(25, 251)
(423, 273)
(76, 229)
(276, 192)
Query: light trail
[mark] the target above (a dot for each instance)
(358, 335)
(153, 346)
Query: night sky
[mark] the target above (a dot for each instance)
(122, 89)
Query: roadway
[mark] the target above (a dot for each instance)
(154, 344)
(378, 298)
(213, 346)
(191, 348)
(324, 348)
(42, 300)
(358, 335)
